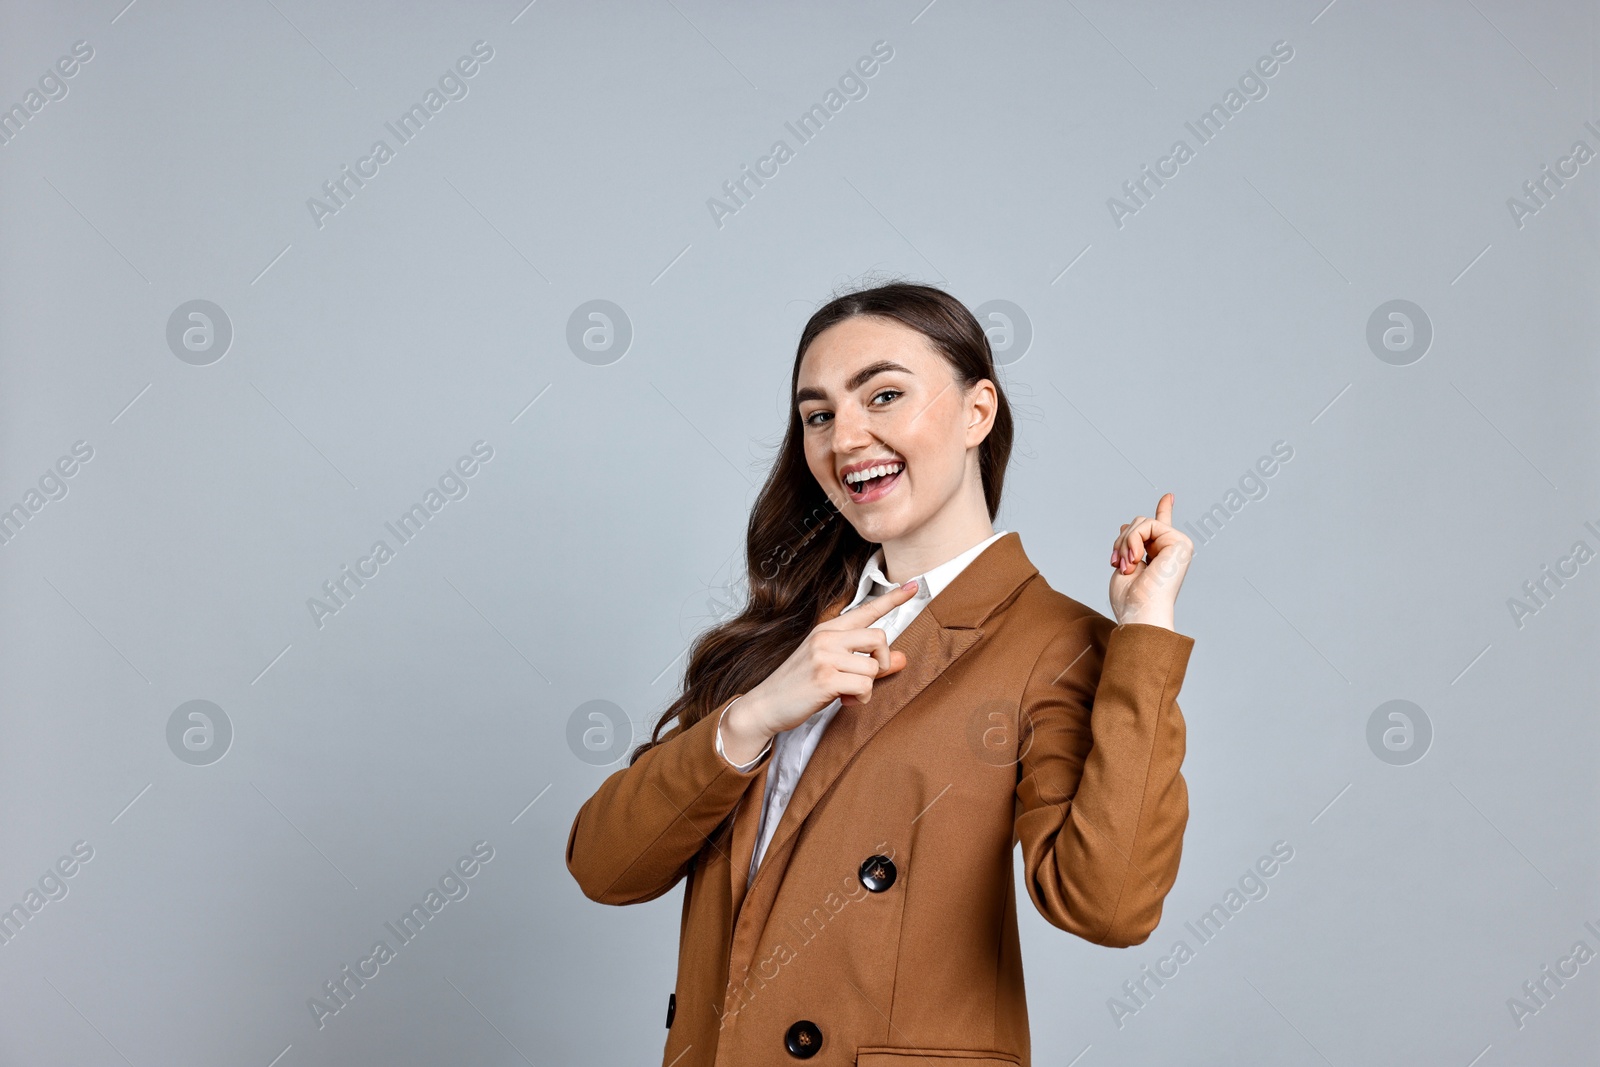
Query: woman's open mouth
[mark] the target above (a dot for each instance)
(880, 481)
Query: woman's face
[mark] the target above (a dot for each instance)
(873, 392)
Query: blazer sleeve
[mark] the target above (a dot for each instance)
(1101, 805)
(634, 839)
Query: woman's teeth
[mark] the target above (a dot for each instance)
(862, 482)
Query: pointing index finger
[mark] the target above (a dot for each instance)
(864, 615)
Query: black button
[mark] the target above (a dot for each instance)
(672, 1008)
(803, 1039)
(877, 873)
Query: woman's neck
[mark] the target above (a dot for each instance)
(939, 540)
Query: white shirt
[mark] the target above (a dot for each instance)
(794, 746)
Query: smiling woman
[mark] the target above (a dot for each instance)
(902, 700)
(890, 422)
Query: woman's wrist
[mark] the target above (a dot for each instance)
(1155, 618)
(743, 738)
(1152, 611)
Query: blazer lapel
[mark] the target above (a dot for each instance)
(945, 628)
(929, 649)
(746, 817)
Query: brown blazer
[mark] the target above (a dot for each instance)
(881, 927)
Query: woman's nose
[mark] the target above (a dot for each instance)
(850, 429)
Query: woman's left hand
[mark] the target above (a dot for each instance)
(1145, 589)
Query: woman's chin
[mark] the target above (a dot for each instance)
(880, 528)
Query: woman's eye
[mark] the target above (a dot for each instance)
(812, 419)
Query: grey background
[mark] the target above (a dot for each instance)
(433, 710)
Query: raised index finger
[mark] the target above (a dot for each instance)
(864, 615)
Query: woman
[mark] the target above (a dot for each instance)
(854, 759)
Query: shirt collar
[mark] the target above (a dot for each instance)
(929, 584)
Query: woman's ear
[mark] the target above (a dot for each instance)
(981, 405)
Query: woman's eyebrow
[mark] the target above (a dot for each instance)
(857, 380)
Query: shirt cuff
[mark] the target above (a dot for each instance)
(742, 768)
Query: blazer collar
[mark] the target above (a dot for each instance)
(974, 594)
(933, 580)
(950, 624)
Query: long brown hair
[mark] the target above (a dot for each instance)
(800, 555)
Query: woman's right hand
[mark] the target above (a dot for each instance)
(839, 659)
